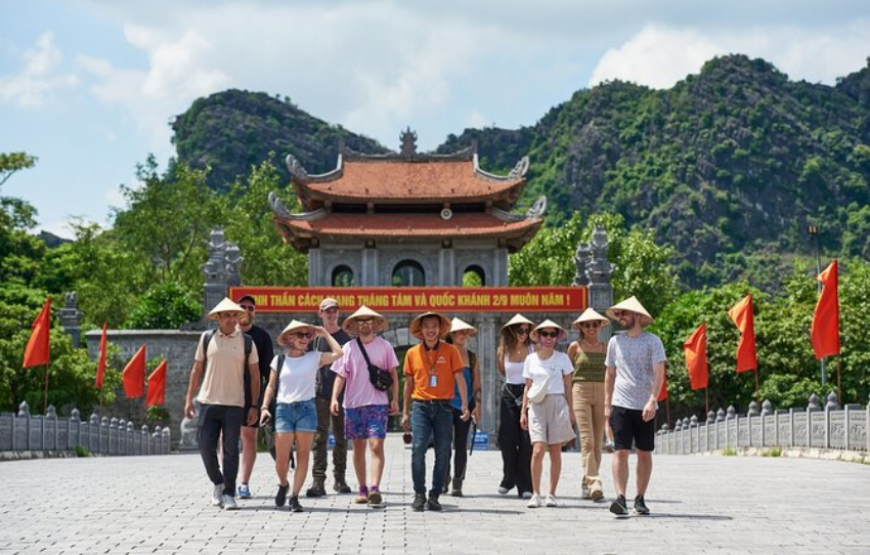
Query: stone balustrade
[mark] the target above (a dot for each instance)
(110, 437)
(820, 427)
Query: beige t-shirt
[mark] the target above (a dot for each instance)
(224, 381)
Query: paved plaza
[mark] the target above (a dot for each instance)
(700, 504)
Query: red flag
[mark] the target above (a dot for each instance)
(134, 375)
(663, 394)
(101, 362)
(156, 386)
(37, 351)
(825, 331)
(696, 357)
(741, 314)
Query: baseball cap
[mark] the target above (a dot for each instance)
(328, 303)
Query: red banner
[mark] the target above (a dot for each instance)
(419, 299)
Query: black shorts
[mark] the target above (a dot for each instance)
(628, 426)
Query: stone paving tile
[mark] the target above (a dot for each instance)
(702, 505)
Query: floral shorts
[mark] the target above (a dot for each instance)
(368, 422)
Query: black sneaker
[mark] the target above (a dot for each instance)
(619, 507)
(639, 506)
(316, 489)
(295, 507)
(341, 486)
(433, 504)
(281, 496)
(419, 502)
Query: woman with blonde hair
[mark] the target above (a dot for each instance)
(291, 386)
(513, 440)
(587, 357)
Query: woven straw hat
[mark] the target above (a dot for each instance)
(590, 315)
(379, 325)
(293, 327)
(631, 304)
(461, 325)
(225, 305)
(549, 324)
(417, 324)
(518, 319)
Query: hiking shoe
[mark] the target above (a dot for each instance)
(534, 502)
(503, 490)
(362, 496)
(618, 507)
(432, 504)
(597, 494)
(244, 491)
(295, 507)
(340, 486)
(526, 495)
(217, 494)
(376, 499)
(316, 489)
(419, 502)
(281, 496)
(229, 502)
(551, 501)
(640, 506)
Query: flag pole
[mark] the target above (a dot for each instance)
(101, 403)
(45, 402)
(839, 388)
(668, 411)
(756, 386)
(707, 399)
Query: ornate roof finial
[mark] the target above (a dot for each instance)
(409, 142)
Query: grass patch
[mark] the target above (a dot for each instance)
(81, 452)
(729, 452)
(772, 452)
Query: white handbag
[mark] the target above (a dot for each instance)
(540, 388)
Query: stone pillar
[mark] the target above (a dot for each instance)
(499, 268)
(593, 271)
(71, 317)
(490, 381)
(234, 259)
(369, 277)
(447, 265)
(315, 269)
(215, 270)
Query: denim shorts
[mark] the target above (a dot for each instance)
(300, 416)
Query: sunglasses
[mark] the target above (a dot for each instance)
(364, 321)
(302, 335)
(522, 331)
(249, 308)
(592, 325)
(618, 313)
(550, 334)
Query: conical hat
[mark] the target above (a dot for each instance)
(548, 324)
(518, 319)
(590, 315)
(631, 304)
(417, 324)
(225, 305)
(460, 325)
(379, 325)
(293, 327)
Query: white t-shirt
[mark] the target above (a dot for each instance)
(634, 358)
(556, 366)
(298, 377)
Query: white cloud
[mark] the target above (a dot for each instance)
(38, 78)
(60, 228)
(659, 56)
(476, 120)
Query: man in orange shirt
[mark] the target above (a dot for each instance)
(430, 369)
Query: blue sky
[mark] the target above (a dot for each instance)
(90, 86)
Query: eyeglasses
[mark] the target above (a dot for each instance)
(249, 308)
(364, 321)
(302, 335)
(550, 334)
(522, 331)
(593, 325)
(618, 313)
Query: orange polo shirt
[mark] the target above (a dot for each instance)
(438, 365)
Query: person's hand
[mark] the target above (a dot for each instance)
(265, 417)
(476, 413)
(252, 416)
(189, 409)
(573, 418)
(649, 410)
(321, 331)
(394, 408)
(465, 414)
(406, 422)
(524, 421)
(333, 407)
(607, 413)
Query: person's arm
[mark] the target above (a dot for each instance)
(652, 405)
(337, 387)
(524, 419)
(499, 355)
(476, 388)
(336, 350)
(572, 351)
(394, 402)
(609, 381)
(406, 402)
(463, 396)
(267, 397)
(566, 379)
(193, 386)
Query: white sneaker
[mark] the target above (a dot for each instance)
(551, 501)
(534, 502)
(527, 495)
(229, 502)
(217, 494)
(503, 490)
(585, 493)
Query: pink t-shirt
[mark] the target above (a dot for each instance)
(359, 391)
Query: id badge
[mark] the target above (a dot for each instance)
(433, 380)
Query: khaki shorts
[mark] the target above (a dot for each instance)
(549, 421)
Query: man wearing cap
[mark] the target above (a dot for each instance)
(366, 408)
(635, 364)
(430, 369)
(265, 352)
(328, 313)
(222, 358)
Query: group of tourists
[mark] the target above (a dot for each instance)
(345, 377)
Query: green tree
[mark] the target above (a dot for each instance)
(164, 306)
(12, 162)
(20, 252)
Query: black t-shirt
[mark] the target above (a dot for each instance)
(325, 375)
(264, 349)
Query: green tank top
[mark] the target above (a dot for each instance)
(589, 367)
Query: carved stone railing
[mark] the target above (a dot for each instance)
(829, 427)
(22, 432)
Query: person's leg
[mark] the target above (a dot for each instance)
(538, 450)
(319, 448)
(508, 440)
(283, 445)
(421, 428)
(644, 471)
(249, 453)
(443, 431)
(598, 426)
(460, 450)
(555, 466)
(524, 463)
(583, 416)
(208, 430)
(232, 429)
(339, 451)
(620, 422)
(303, 456)
(359, 461)
(378, 461)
